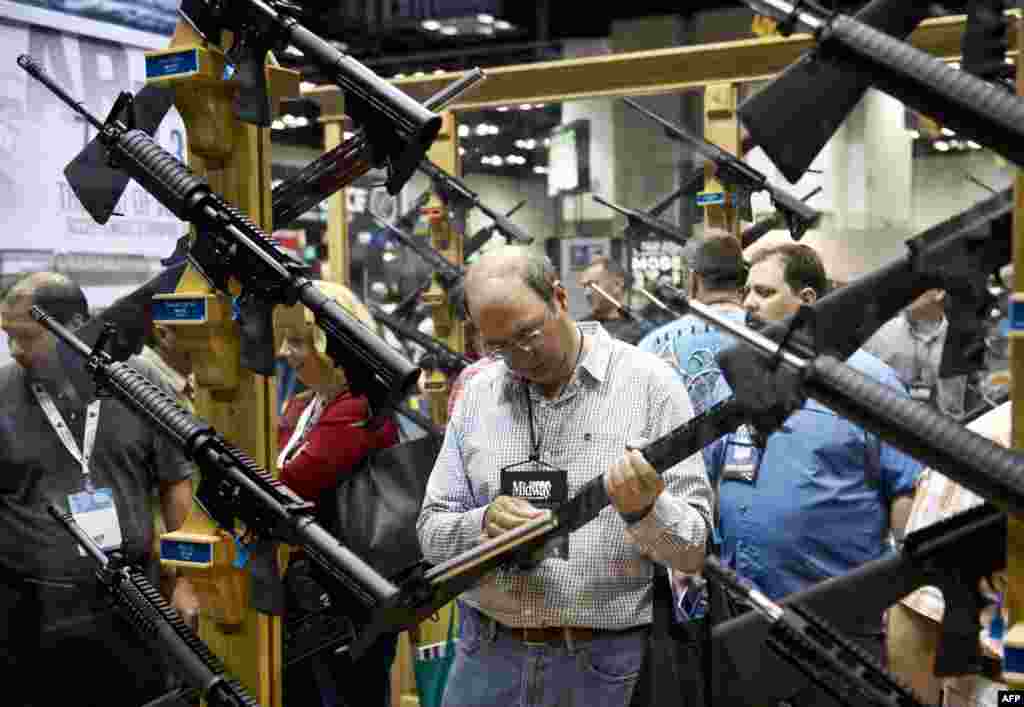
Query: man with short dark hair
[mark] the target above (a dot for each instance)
(97, 459)
(819, 496)
(717, 274)
(607, 274)
(555, 411)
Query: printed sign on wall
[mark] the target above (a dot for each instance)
(39, 135)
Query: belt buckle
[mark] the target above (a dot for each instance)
(528, 642)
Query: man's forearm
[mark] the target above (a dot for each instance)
(674, 533)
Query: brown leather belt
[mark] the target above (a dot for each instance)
(555, 634)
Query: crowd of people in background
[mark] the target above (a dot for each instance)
(556, 400)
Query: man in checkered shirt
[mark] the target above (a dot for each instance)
(572, 629)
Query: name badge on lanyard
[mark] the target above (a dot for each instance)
(546, 487)
(742, 457)
(93, 509)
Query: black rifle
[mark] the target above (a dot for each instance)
(399, 127)
(141, 604)
(756, 231)
(954, 555)
(639, 220)
(455, 192)
(444, 358)
(233, 486)
(743, 178)
(337, 168)
(484, 234)
(838, 666)
(621, 308)
(449, 273)
(792, 118)
(230, 246)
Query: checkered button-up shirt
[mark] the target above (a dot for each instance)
(619, 394)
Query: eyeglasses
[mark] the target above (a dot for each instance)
(526, 343)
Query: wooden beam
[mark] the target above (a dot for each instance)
(646, 72)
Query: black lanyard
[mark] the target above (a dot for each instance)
(534, 442)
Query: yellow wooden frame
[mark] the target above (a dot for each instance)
(645, 72)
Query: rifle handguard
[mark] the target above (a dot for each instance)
(979, 464)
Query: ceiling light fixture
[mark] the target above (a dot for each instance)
(449, 30)
(430, 25)
(941, 146)
(947, 132)
(502, 24)
(307, 86)
(463, 130)
(485, 19)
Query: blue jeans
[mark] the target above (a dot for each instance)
(495, 668)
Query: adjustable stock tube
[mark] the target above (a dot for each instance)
(973, 107)
(995, 473)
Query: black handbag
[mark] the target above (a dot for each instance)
(373, 510)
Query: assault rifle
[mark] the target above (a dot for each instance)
(449, 273)
(140, 602)
(229, 246)
(233, 486)
(443, 357)
(793, 117)
(743, 178)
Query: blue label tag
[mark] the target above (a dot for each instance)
(181, 63)
(710, 197)
(1016, 315)
(186, 551)
(180, 310)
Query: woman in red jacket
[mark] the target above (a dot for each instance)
(335, 431)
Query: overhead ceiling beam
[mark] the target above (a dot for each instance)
(646, 72)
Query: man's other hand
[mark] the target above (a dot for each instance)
(632, 484)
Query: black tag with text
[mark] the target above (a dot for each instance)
(1010, 697)
(543, 488)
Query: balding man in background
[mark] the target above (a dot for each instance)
(610, 277)
(61, 642)
(558, 409)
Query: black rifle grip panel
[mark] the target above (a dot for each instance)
(979, 464)
(157, 171)
(979, 110)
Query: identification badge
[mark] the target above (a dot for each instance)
(543, 488)
(742, 458)
(97, 514)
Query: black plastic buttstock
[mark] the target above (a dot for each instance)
(99, 186)
(252, 103)
(793, 117)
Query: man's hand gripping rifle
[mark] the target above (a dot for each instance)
(231, 247)
(140, 602)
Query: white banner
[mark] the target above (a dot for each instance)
(39, 135)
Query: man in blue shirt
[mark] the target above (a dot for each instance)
(689, 344)
(820, 496)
